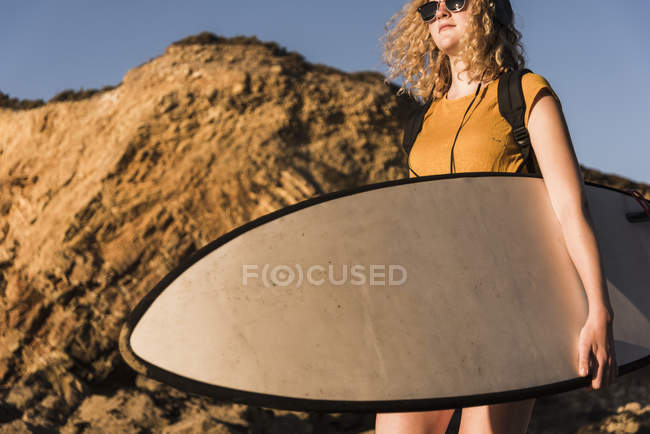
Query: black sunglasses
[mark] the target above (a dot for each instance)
(428, 10)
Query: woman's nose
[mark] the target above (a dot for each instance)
(442, 10)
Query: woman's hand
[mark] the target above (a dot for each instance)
(596, 346)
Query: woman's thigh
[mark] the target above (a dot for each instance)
(421, 422)
(507, 418)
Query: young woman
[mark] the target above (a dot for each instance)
(455, 51)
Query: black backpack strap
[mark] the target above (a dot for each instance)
(413, 125)
(513, 108)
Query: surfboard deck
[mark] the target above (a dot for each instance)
(464, 294)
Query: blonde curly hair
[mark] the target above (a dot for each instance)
(489, 47)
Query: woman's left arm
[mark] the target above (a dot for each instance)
(557, 161)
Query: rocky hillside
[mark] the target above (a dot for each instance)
(103, 192)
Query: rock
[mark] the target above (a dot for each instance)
(197, 424)
(15, 427)
(124, 412)
(20, 396)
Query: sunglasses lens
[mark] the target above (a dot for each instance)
(428, 10)
(455, 5)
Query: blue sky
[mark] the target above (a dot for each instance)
(595, 55)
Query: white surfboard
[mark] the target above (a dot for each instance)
(459, 291)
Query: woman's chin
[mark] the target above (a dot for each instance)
(447, 45)
(450, 50)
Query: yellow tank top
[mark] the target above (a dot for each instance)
(485, 142)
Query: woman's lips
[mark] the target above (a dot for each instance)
(444, 26)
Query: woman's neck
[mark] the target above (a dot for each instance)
(460, 86)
